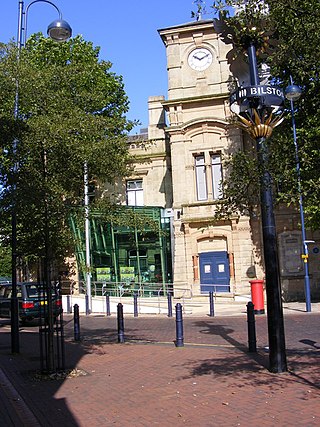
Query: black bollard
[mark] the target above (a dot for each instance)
(108, 305)
(120, 323)
(76, 322)
(169, 304)
(135, 304)
(179, 326)
(252, 342)
(211, 304)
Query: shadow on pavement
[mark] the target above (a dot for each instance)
(35, 393)
(303, 363)
(249, 371)
(225, 332)
(224, 338)
(310, 343)
(40, 393)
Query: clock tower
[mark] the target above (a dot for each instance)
(196, 60)
(209, 254)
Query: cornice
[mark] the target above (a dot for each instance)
(187, 27)
(193, 99)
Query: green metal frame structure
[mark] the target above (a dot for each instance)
(139, 253)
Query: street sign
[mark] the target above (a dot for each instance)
(267, 95)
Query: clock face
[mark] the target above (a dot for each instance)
(200, 59)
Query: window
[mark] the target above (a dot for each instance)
(134, 193)
(201, 171)
(216, 171)
(201, 179)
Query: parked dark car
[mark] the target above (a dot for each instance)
(33, 302)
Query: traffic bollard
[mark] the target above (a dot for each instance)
(169, 304)
(211, 304)
(135, 304)
(108, 305)
(179, 326)
(120, 323)
(76, 322)
(252, 342)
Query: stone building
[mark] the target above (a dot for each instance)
(181, 170)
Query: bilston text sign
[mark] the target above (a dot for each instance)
(270, 95)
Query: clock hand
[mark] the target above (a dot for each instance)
(200, 59)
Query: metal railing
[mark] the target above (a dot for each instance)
(143, 289)
(117, 289)
(155, 294)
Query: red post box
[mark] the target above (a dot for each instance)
(257, 297)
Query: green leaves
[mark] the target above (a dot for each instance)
(72, 110)
(291, 33)
(242, 24)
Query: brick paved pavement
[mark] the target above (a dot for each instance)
(211, 381)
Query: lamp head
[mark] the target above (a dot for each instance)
(59, 30)
(293, 92)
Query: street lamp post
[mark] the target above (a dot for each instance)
(293, 93)
(58, 30)
(255, 106)
(87, 240)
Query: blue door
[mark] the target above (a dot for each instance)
(214, 272)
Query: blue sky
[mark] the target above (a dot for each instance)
(125, 30)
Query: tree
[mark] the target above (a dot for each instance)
(296, 55)
(5, 262)
(288, 40)
(71, 110)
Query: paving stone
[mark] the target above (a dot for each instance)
(147, 381)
